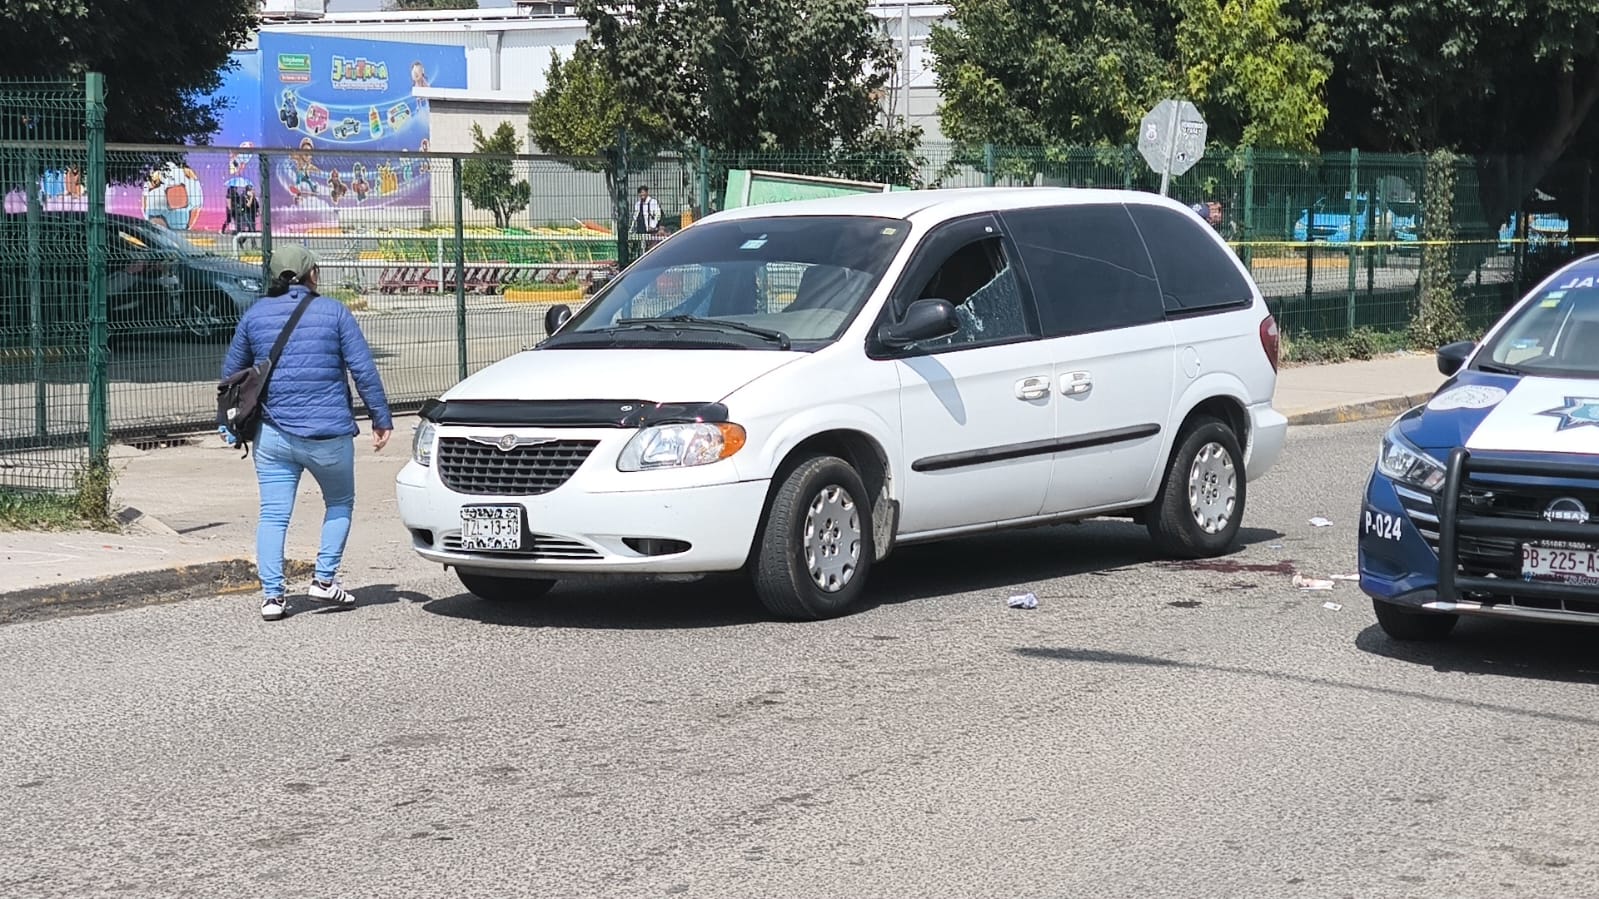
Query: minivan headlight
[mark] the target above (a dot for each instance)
(422, 442)
(681, 446)
(1403, 462)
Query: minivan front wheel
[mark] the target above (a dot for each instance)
(813, 555)
(1201, 503)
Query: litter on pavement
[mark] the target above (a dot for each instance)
(1319, 522)
(1311, 583)
(1346, 577)
(1332, 606)
(1024, 601)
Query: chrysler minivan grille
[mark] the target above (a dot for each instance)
(479, 469)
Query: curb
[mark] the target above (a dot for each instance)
(1383, 408)
(140, 588)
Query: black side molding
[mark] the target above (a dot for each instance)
(1035, 448)
(627, 414)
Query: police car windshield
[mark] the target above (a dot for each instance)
(1557, 334)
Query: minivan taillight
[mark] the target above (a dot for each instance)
(1270, 340)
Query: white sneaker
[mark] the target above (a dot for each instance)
(331, 592)
(272, 608)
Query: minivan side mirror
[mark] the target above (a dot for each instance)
(1451, 356)
(924, 320)
(555, 317)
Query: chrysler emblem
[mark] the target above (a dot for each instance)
(1567, 510)
(511, 441)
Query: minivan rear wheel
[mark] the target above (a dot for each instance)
(815, 550)
(1200, 505)
(504, 589)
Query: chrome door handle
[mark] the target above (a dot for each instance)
(1076, 383)
(1033, 388)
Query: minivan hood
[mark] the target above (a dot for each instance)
(658, 376)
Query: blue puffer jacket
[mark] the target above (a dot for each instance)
(309, 395)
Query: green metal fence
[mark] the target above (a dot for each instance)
(53, 387)
(1333, 240)
(449, 261)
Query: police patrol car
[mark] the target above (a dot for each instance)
(1484, 500)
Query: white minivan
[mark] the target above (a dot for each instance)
(794, 389)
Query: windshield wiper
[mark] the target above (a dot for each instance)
(777, 337)
(1497, 368)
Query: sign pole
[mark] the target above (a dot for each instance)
(1171, 150)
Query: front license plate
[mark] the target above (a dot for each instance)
(1570, 565)
(491, 528)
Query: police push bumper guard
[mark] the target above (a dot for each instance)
(1563, 523)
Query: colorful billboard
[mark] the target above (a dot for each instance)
(311, 97)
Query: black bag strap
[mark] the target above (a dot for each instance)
(282, 341)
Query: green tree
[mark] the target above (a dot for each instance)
(488, 179)
(747, 76)
(580, 117)
(1084, 72)
(1029, 73)
(1256, 70)
(157, 75)
(431, 4)
(1512, 82)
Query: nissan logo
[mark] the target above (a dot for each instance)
(1567, 510)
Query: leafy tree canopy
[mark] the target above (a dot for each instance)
(1492, 78)
(580, 116)
(748, 75)
(1084, 72)
(157, 73)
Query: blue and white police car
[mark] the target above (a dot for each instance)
(1485, 500)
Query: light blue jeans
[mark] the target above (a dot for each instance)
(279, 461)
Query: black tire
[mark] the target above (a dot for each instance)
(1172, 519)
(782, 569)
(1407, 624)
(504, 589)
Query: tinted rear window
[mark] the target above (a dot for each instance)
(1196, 273)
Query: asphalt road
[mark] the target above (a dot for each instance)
(1149, 729)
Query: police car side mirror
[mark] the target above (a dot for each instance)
(1451, 356)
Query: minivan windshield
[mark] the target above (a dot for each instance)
(1555, 335)
(759, 283)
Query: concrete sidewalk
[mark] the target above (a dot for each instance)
(197, 533)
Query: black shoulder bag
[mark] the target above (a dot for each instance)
(242, 396)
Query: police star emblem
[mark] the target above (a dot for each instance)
(1579, 411)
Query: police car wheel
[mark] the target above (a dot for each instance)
(1200, 505)
(504, 589)
(1402, 623)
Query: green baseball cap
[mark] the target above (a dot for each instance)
(292, 257)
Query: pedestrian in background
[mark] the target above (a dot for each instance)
(250, 208)
(308, 418)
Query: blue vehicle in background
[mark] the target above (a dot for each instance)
(1329, 222)
(1544, 231)
(1485, 500)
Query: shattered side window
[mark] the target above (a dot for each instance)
(980, 281)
